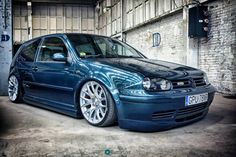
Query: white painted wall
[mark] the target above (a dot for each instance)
(171, 48)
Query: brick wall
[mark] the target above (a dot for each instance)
(217, 54)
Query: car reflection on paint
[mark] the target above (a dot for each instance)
(104, 80)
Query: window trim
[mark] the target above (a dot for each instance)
(40, 47)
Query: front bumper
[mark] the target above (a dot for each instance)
(163, 110)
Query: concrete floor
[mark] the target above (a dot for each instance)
(30, 131)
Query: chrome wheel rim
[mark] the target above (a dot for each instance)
(93, 102)
(13, 86)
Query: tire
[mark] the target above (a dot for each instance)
(14, 89)
(97, 105)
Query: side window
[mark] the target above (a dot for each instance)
(51, 46)
(29, 51)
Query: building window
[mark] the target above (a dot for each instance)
(156, 39)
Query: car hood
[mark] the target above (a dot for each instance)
(150, 68)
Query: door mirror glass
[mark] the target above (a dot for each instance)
(59, 57)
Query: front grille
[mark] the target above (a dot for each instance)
(163, 115)
(190, 112)
(186, 83)
(199, 81)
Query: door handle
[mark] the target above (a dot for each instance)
(35, 68)
(67, 70)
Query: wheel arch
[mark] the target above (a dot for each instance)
(18, 76)
(105, 83)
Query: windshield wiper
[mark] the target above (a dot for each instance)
(121, 56)
(129, 56)
(111, 56)
(92, 56)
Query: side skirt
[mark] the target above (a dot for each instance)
(63, 108)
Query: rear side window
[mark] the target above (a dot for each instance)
(29, 51)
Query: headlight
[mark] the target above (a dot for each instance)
(156, 84)
(146, 83)
(206, 79)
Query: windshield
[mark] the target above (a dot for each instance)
(99, 46)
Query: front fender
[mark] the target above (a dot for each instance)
(117, 82)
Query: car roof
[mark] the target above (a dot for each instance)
(61, 34)
(85, 34)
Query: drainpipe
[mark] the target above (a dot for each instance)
(121, 19)
(29, 8)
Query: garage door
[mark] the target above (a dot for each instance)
(20, 22)
(50, 18)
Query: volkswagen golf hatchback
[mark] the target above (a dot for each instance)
(105, 80)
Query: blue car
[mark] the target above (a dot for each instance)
(105, 81)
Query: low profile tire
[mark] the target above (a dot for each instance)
(14, 90)
(97, 105)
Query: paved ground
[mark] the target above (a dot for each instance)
(30, 131)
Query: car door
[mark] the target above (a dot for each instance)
(51, 78)
(25, 62)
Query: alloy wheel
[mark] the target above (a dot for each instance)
(93, 102)
(13, 86)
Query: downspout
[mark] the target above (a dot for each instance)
(121, 19)
(30, 21)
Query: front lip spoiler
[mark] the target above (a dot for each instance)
(153, 126)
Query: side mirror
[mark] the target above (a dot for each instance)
(59, 57)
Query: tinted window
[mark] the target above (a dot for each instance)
(99, 46)
(114, 47)
(29, 51)
(51, 46)
(83, 44)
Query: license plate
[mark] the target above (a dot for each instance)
(196, 99)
